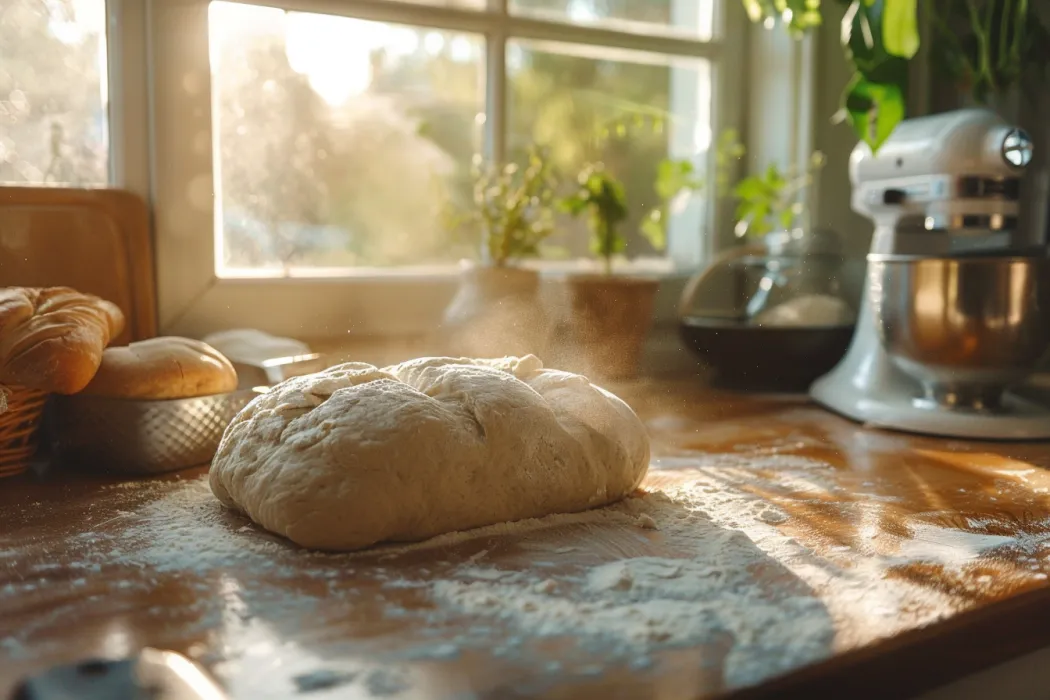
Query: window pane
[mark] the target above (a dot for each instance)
(53, 92)
(626, 110)
(339, 140)
(689, 18)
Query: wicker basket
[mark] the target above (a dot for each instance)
(21, 410)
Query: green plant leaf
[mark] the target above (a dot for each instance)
(750, 187)
(873, 109)
(752, 212)
(900, 28)
(675, 176)
(575, 204)
(654, 230)
(863, 41)
(774, 180)
(759, 228)
(603, 196)
(512, 207)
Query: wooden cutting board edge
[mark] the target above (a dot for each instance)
(132, 216)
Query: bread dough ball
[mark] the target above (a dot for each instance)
(356, 455)
(808, 310)
(163, 368)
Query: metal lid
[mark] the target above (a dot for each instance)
(800, 242)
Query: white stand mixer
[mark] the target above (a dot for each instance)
(955, 314)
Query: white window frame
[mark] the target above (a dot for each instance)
(163, 149)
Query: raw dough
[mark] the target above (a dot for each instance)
(356, 455)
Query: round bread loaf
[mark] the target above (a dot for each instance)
(52, 338)
(163, 368)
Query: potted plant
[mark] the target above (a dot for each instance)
(612, 314)
(496, 310)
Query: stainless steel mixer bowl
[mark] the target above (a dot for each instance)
(966, 328)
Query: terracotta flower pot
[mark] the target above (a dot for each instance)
(612, 316)
(496, 312)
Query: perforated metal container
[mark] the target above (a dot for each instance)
(141, 437)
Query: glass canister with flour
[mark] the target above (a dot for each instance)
(772, 313)
(798, 281)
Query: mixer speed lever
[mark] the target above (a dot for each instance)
(894, 196)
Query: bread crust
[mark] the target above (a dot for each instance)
(163, 368)
(52, 338)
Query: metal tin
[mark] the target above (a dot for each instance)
(142, 437)
(276, 370)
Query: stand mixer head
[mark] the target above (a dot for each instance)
(956, 309)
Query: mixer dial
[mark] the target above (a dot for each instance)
(1017, 148)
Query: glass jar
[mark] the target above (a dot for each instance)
(788, 278)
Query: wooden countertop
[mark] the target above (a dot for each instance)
(884, 565)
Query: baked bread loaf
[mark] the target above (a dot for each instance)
(163, 368)
(52, 338)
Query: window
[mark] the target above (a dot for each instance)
(341, 142)
(53, 93)
(307, 155)
(337, 138)
(694, 20)
(628, 110)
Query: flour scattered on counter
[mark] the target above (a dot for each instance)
(185, 528)
(385, 682)
(630, 608)
(322, 679)
(772, 515)
(729, 576)
(644, 520)
(12, 646)
(614, 612)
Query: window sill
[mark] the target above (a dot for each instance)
(388, 304)
(660, 268)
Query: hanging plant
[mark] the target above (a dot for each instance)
(878, 37)
(988, 46)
